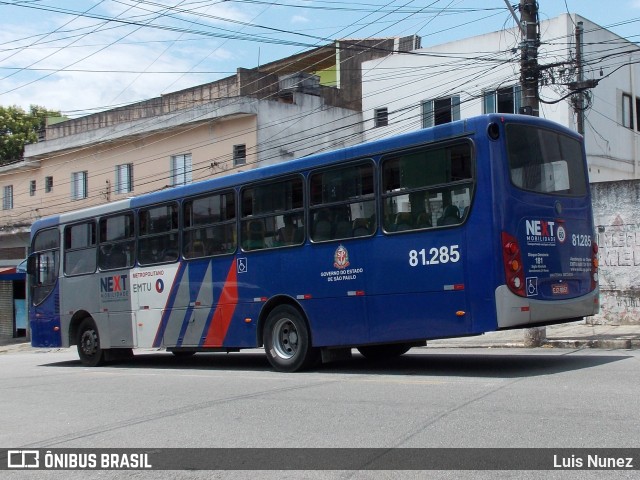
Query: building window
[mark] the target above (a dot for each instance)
(239, 155)
(32, 188)
(503, 100)
(627, 111)
(48, 184)
(124, 178)
(440, 110)
(79, 185)
(181, 169)
(7, 198)
(381, 117)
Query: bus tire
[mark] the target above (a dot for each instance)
(88, 342)
(384, 352)
(287, 341)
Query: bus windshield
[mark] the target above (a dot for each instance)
(545, 161)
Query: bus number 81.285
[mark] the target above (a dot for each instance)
(435, 256)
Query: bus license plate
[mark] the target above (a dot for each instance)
(560, 289)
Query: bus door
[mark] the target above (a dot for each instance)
(115, 314)
(115, 256)
(44, 299)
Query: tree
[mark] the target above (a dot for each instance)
(19, 128)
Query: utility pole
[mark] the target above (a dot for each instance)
(529, 76)
(529, 73)
(580, 99)
(580, 85)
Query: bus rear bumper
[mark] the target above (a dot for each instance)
(514, 311)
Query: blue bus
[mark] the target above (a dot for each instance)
(474, 226)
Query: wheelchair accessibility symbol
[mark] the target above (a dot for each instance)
(242, 265)
(532, 286)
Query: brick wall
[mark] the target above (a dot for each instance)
(617, 218)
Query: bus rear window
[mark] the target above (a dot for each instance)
(544, 161)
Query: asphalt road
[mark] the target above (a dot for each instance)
(428, 398)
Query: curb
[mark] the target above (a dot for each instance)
(610, 344)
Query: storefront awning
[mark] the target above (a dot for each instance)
(11, 273)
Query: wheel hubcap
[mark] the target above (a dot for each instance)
(285, 338)
(89, 342)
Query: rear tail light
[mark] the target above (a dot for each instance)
(512, 261)
(594, 266)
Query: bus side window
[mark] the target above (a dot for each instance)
(117, 240)
(427, 187)
(80, 248)
(158, 237)
(209, 225)
(272, 214)
(342, 202)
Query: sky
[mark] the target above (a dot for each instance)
(80, 57)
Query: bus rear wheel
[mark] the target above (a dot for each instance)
(88, 341)
(383, 352)
(287, 340)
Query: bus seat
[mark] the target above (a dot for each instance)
(403, 222)
(117, 259)
(360, 227)
(450, 216)
(343, 229)
(169, 255)
(196, 249)
(322, 230)
(255, 235)
(423, 220)
(287, 235)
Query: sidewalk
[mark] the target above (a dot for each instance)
(569, 335)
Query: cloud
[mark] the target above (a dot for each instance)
(298, 19)
(81, 64)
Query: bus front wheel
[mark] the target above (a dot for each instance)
(88, 342)
(287, 340)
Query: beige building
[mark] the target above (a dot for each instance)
(283, 110)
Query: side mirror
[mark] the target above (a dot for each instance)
(31, 264)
